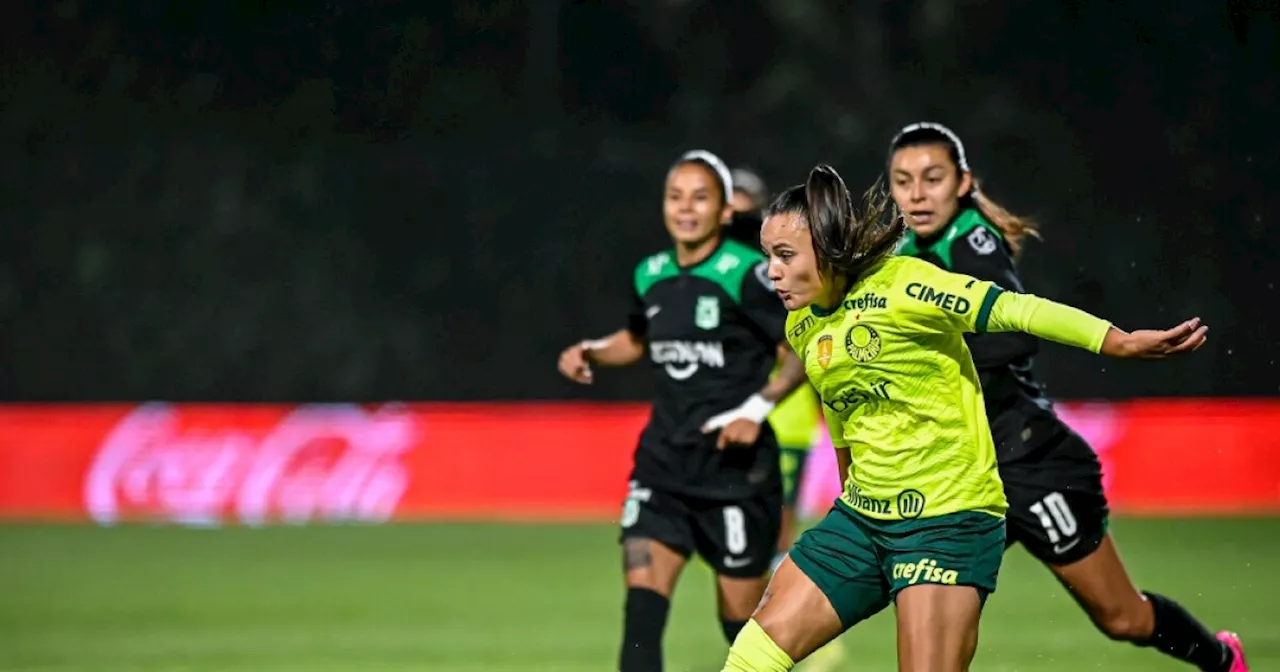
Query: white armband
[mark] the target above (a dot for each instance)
(756, 409)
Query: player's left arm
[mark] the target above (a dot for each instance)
(1067, 325)
(937, 301)
(740, 426)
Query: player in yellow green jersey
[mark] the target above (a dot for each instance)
(921, 520)
(796, 421)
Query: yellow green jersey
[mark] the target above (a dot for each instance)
(899, 388)
(795, 421)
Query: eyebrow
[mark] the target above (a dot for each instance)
(929, 168)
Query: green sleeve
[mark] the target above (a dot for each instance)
(1049, 320)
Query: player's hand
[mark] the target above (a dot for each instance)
(737, 434)
(739, 426)
(574, 365)
(1154, 344)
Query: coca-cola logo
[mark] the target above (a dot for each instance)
(328, 463)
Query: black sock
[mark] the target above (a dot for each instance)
(1178, 634)
(731, 628)
(646, 618)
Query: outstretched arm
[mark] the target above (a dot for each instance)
(932, 300)
(1071, 326)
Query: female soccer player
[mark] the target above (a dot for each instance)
(1052, 478)
(705, 476)
(797, 420)
(921, 519)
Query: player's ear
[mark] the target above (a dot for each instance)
(966, 184)
(726, 214)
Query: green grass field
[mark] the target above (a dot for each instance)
(492, 598)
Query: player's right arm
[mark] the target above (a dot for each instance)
(800, 333)
(836, 428)
(621, 348)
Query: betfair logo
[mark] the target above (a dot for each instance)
(927, 570)
(946, 301)
(854, 396)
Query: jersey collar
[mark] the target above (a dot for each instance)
(912, 245)
(710, 255)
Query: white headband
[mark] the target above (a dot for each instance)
(961, 159)
(721, 170)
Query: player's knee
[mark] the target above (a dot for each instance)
(642, 570)
(738, 610)
(1123, 622)
(787, 633)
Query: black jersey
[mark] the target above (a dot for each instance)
(712, 332)
(1020, 414)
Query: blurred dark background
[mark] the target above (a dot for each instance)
(232, 200)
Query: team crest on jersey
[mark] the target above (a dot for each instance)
(862, 342)
(981, 240)
(824, 350)
(707, 313)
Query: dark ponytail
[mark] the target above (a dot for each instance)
(850, 241)
(1014, 227)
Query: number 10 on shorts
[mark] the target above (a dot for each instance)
(1055, 516)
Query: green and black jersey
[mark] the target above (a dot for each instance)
(1020, 414)
(712, 331)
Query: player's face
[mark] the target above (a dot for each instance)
(741, 202)
(693, 207)
(793, 265)
(927, 186)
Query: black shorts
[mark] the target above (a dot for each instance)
(1057, 508)
(737, 538)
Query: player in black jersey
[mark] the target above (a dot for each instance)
(1052, 478)
(705, 477)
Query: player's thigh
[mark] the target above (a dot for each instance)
(940, 572)
(839, 559)
(738, 538)
(656, 536)
(937, 627)
(797, 613)
(1057, 507)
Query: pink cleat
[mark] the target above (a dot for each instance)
(1232, 640)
